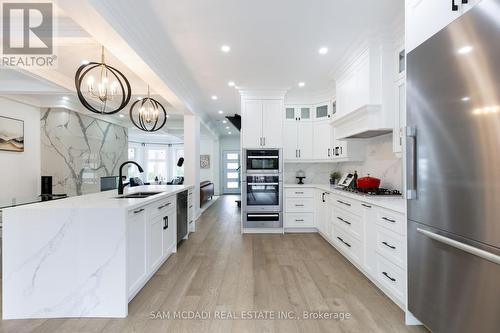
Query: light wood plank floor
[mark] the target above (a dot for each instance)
(218, 269)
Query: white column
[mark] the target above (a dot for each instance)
(192, 157)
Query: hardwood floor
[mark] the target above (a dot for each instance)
(219, 270)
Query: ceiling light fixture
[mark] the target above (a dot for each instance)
(121, 116)
(224, 121)
(85, 62)
(465, 99)
(225, 48)
(231, 83)
(227, 127)
(65, 98)
(220, 112)
(301, 84)
(323, 50)
(465, 49)
(148, 114)
(214, 98)
(229, 133)
(109, 85)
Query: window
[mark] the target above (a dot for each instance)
(132, 154)
(156, 164)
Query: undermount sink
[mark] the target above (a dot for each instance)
(137, 195)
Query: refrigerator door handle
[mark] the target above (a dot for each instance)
(461, 246)
(411, 165)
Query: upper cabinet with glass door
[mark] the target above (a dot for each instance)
(298, 113)
(322, 111)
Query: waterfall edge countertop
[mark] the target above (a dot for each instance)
(395, 203)
(85, 256)
(108, 199)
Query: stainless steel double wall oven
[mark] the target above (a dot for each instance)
(262, 188)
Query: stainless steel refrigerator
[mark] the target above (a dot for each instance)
(453, 170)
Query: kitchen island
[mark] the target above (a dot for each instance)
(86, 256)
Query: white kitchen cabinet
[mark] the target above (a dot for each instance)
(322, 212)
(424, 18)
(155, 243)
(137, 264)
(290, 145)
(299, 208)
(468, 6)
(251, 124)
(370, 258)
(399, 116)
(190, 215)
(322, 140)
(298, 144)
(323, 111)
(298, 113)
(262, 123)
(299, 220)
(169, 231)
(272, 127)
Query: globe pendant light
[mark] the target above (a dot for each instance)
(148, 114)
(106, 90)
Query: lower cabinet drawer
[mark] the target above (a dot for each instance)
(391, 277)
(352, 247)
(349, 222)
(391, 220)
(298, 220)
(299, 192)
(296, 205)
(162, 207)
(391, 246)
(348, 204)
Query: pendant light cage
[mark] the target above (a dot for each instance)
(147, 114)
(101, 88)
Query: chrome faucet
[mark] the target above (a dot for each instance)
(120, 183)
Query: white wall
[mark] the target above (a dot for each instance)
(20, 172)
(210, 146)
(379, 162)
(230, 142)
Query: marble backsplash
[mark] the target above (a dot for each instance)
(76, 150)
(379, 162)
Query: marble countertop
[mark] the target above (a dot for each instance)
(108, 199)
(396, 203)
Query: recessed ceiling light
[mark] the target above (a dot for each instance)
(220, 112)
(224, 121)
(465, 99)
(121, 116)
(229, 133)
(301, 84)
(85, 62)
(231, 83)
(65, 98)
(227, 127)
(323, 50)
(214, 97)
(139, 98)
(225, 48)
(464, 50)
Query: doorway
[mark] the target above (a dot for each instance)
(231, 171)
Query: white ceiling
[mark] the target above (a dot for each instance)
(273, 43)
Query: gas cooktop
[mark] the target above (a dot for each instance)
(373, 191)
